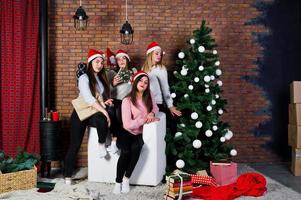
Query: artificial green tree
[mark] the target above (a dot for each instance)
(201, 136)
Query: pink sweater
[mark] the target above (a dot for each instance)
(133, 117)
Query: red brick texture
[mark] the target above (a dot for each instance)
(170, 23)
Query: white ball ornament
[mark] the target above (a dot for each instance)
(178, 134)
(201, 68)
(198, 124)
(190, 87)
(220, 111)
(182, 125)
(217, 63)
(214, 127)
(214, 52)
(175, 72)
(207, 90)
(173, 95)
(207, 78)
(186, 95)
(196, 79)
(222, 139)
(183, 72)
(180, 164)
(233, 152)
(218, 72)
(229, 135)
(194, 115)
(192, 41)
(212, 77)
(181, 55)
(197, 144)
(216, 96)
(220, 83)
(209, 108)
(206, 86)
(201, 49)
(208, 133)
(213, 102)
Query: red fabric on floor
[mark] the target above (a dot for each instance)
(248, 184)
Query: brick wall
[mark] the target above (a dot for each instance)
(170, 23)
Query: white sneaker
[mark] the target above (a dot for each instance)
(113, 148)
(117, 188)
(68, 181)
(102, 151)
(125, 186)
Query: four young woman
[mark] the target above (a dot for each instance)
(138, 102)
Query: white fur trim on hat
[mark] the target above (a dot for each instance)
(123, 54)
(153, 49)
(94, 56)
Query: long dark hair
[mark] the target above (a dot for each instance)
(102, 77)
(128, 65)
(146, 97)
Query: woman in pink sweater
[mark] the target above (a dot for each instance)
(138, 108)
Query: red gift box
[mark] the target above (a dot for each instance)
(224, 173)
(203, 180)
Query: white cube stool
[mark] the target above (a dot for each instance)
(152, 161)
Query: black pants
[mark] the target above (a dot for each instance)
(171, 121)
(131, 146)
(116, 127)
(78, 128)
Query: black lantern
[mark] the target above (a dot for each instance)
(126, 31)
(80, 18)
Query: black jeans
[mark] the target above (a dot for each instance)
(77, 132)
(131, 146)
(116, 127)
(171, 121)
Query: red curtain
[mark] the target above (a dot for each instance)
(20, 76)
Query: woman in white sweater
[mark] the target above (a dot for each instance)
(158, 78)
(120, 88)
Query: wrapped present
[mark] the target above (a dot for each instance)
(179, 185)
(224, 173)
(203, 180)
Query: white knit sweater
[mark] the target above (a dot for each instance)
(159, 85)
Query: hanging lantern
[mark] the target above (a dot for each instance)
(80, 18)
(126, 31)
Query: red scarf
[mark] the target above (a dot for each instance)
(248, 184)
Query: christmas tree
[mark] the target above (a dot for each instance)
(201, 136)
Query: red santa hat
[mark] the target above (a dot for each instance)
(152, 47)
(121, 53)
(92, 54)
(137, 74)
(111, 61)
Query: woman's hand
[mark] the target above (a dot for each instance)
(105, 113)
(116, 80)
(150, 117)
(109, 102)
(173, 110)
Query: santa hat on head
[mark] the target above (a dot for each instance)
(137, 74)
(121, 53)
(111, 61)
(152, 47)
(94, 53)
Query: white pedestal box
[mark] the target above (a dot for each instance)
(152, 161)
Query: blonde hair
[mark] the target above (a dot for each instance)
(149, 63)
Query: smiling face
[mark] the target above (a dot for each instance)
(122, 62)
(156, 56)
(97, 64)
(142, 84)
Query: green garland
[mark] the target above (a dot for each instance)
(23, 161)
